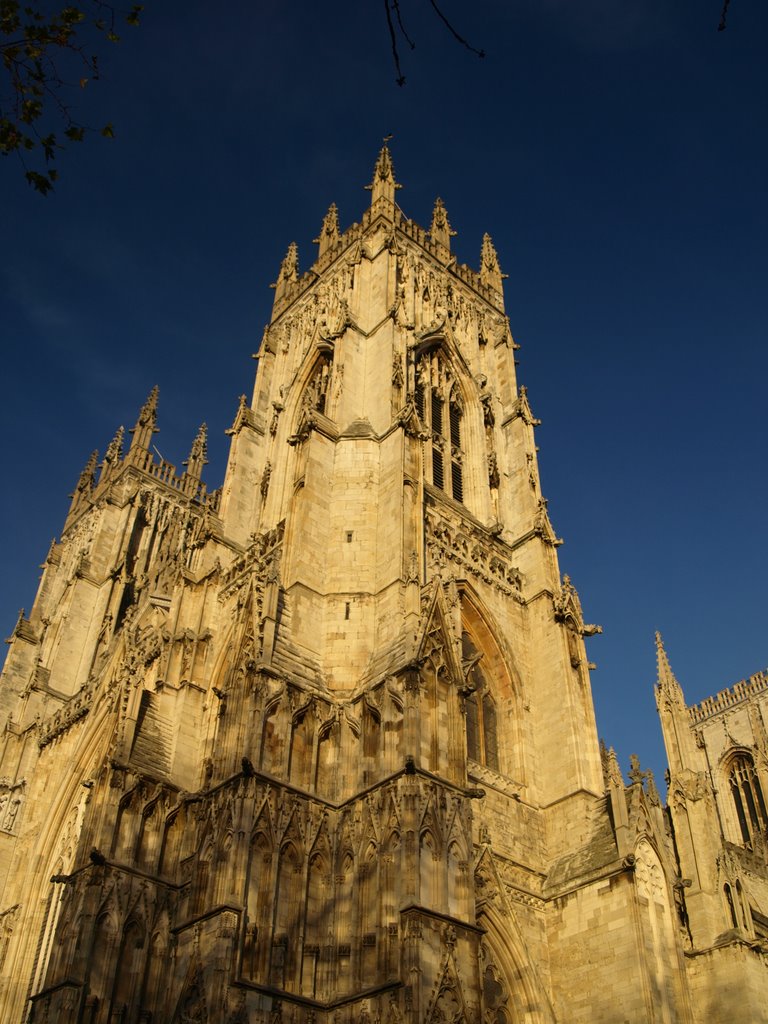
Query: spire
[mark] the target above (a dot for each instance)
(197, 455)
(666, 682)
(289, 271)
(383, 185)
(441, 231)
(490, 272)
(329, 232)
(146, 424)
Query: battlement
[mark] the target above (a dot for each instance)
(729, 698)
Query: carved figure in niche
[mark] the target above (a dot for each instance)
(316, 392)
(493, 471)
(398, 378)
(277, 408)
(265, 477)
(13, 811)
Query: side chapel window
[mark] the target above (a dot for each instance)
(748, 797)
(480, 710)
(439, 405)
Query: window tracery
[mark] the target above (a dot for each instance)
(440, 407)
(747, 797)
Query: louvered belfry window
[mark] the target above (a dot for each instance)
(438, 403)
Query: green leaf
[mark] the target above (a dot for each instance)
(75, 133)
(108, 131)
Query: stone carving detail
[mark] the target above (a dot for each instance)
(11, 802)
(77, 707)
(542, 526)
(450, 541)
(265, 478)
(568, 610)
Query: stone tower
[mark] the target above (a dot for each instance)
(320, 746)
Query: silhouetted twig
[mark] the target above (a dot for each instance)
(394, 5)
(454, 33)
(396, 9)
(393, 37)
(723, 15)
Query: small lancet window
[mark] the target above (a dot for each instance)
(747, 797)
(439, 406)
(480, 710)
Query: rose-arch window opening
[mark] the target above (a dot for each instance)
(480, 710)
(747, 797)
(439, 406)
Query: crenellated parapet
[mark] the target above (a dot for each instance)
(732, 697)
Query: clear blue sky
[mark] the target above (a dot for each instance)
(617, 154)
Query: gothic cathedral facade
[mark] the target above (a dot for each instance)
(319, 746)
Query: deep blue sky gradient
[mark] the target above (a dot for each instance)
(617, 154)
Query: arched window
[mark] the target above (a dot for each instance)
(480, 709)
(748, 797)
(439, 405)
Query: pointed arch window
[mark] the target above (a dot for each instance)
(747, 797)
(439, 405)
(480, 709)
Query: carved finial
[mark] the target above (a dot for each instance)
(198, 454)
(490, 272)
(383, 185)
(441, 231)
(86, 480)
(665, 677)
(146, 424)
(635, 773)
(329, 232)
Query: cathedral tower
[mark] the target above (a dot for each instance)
(320, 745)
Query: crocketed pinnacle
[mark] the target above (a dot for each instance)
(329, 232)
(85, 481)
(383, 185)
(441, 231)
(198, 453)
(115, 448)
(146, 424)
(666, 681)
(490, 271)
